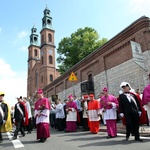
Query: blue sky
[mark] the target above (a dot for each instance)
(107, 17)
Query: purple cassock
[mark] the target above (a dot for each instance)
(42, 107)
(71, 120)
(109, 106)
(146, 95)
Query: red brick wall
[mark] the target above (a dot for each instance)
(118, 56)
(111, 54)
(59, 87)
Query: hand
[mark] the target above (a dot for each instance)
(103, 110)
(4, 121)
(109, 103)
(139, 113)
(122, 115)
(39, 114)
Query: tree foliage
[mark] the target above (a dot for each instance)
(74, 48)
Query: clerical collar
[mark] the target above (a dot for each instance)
(126, 92)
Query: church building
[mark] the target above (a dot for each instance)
(125, 57)
(41, 57)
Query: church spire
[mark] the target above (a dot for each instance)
(34, 36)
(47, 20)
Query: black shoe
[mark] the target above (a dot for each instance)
(140, 140)
(1, 140)
(14, 138)
(23, 135)
(127, 138)
(29, 132)
(42, 140)
(108, 137)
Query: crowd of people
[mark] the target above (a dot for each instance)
(25, 117)
(89, 113)
(133, 108)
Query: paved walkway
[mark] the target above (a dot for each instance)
(144, 130)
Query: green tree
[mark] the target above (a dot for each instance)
(74, 48)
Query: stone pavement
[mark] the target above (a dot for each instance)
(144, 130)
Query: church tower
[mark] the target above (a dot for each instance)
(47, 70)
(41, 59)
(33, 58)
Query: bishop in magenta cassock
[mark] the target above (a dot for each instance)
(109, 106)
(42, 110)
(71, 120)
(146, 100)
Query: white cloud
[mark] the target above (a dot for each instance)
(5, 70)
(12, 83)
(22, 34)
(140, 7)
(0, 29)
(24, 48)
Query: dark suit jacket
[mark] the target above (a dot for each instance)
(5, 110)
(127, 107)
(17, 113)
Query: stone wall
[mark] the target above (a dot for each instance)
(109, 65)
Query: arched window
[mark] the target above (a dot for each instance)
(35, 52)
(51, 77)
(42, 61)
(48, 22)
(49, 37)
(50, 60)
(90, 78)
(41, 79)
(42, 38)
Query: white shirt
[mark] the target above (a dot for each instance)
(59, 111)
(78, 103)
(131, 98)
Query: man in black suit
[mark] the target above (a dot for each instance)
(19, 116)
(130, 109)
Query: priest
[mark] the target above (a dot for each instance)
(109, 105)
(42, 111)
(71, 119)
(94, 114)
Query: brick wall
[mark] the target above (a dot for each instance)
(110, 64)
